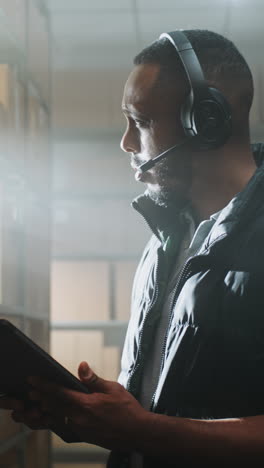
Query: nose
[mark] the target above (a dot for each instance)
(129, 142)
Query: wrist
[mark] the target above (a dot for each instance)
(144, 433)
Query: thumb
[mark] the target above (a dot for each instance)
(91, 380)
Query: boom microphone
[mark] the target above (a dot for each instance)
(152, 162)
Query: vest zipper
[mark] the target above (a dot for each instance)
(176, 294)
(152, 305)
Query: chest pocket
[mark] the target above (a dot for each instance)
(198, 306)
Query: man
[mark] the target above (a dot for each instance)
(193, 360)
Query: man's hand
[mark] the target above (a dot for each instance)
(109, 416)
(33, 417)
(36, 419)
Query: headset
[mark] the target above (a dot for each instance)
(205, 114)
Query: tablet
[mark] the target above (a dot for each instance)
(21, 358)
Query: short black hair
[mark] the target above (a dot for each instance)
(220, 59)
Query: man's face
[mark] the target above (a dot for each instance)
(152, 110)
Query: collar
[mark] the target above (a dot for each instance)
(163, 221)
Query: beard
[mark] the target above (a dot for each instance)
(172, 191)
(166, 198)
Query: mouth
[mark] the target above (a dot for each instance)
(138, 173)
(134, 166)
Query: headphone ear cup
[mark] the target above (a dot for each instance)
(211, 118)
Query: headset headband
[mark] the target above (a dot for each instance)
(190, 63)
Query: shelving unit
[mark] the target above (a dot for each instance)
(25, 168)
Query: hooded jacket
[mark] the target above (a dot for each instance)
(213, 354)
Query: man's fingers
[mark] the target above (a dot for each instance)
(36, 419)
(21, 416)
(54, 396)
(91, 380)
(62, 402)
(33, 418)
(59, 401)
(51, 396)
(11, 404)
